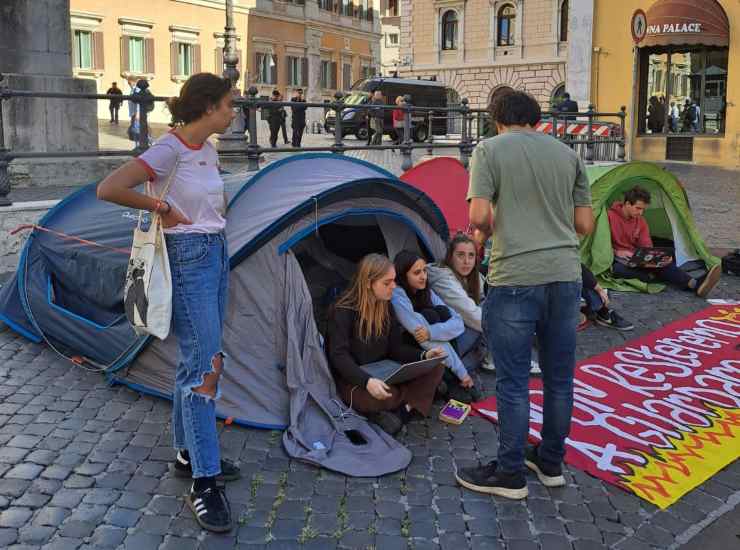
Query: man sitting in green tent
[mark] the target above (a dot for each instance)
(630, 231)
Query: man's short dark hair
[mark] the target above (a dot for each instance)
(637, 193)
(299, 91)
(566, 95)
(516, 108)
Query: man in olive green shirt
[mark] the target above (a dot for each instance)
(530, 193)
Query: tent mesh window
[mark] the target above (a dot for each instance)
(679, 148)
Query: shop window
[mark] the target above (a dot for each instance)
(683, 91)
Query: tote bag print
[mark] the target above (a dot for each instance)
(147, 294)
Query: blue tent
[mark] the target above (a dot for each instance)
(295, 231)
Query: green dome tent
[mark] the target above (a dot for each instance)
(668, 216)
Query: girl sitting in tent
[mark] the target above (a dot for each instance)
(430, 322)
(363, 330)
(457, 280)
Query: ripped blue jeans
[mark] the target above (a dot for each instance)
(199, 263)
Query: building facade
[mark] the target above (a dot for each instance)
(479, 47)
(677, 63)
(321, 46)
(390, 45)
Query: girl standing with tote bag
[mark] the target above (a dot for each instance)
(193, 213)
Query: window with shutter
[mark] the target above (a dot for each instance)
(149, 55)
(196, 58)
(174, 59)
(82, 49)
(334, 75)
(136, 55)
(346, 77)
(98, 51)
(304, 72)
(125, 66)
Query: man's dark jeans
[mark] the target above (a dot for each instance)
(669, 274)
(511, 318)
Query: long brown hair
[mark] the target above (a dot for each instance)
(471, 283)
(200, 91)
(374, 314)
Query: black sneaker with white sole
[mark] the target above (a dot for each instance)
(550, 475)
(487, 479)
(614, 320)
(211, 509)
(229, 470)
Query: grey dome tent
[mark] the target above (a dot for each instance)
(295, 231)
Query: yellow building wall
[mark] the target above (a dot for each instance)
(613, 85)
(162, 14)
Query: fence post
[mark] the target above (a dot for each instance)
(464, 138)
(338, 107)
(430, 134)
(622, 145)
(4, 157)
(405, 147)
(590, 142)
(253, 148)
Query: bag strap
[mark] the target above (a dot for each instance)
(168, 183)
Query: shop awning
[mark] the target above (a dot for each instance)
(686, 22)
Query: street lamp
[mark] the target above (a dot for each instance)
(233, 139)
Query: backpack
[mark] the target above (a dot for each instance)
(692, 114)
(148, 102)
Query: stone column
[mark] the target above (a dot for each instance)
(35, 55)
(580, 51)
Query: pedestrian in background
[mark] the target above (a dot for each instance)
(274, 118)
(298, 119)
(378, 116)
(398, 121)
(283, 122)
(115, 104)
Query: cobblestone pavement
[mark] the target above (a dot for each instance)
(84, 465)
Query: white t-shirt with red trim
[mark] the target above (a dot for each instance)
(197, 189)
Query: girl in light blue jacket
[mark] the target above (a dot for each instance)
(424, 315)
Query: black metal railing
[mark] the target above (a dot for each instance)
(474, 125)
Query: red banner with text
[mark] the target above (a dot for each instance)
(661, 414)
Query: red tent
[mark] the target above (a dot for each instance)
(445, 180)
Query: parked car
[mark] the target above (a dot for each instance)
(424, 93)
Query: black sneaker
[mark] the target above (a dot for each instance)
(211, 509)
(464, 395)
(550, 475)
(614, 320)
(485, 479)
(389, 422)
(229, 470)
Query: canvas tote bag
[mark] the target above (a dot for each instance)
(147, 292)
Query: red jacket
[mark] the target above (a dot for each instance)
(398, 115)
(628, 234)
